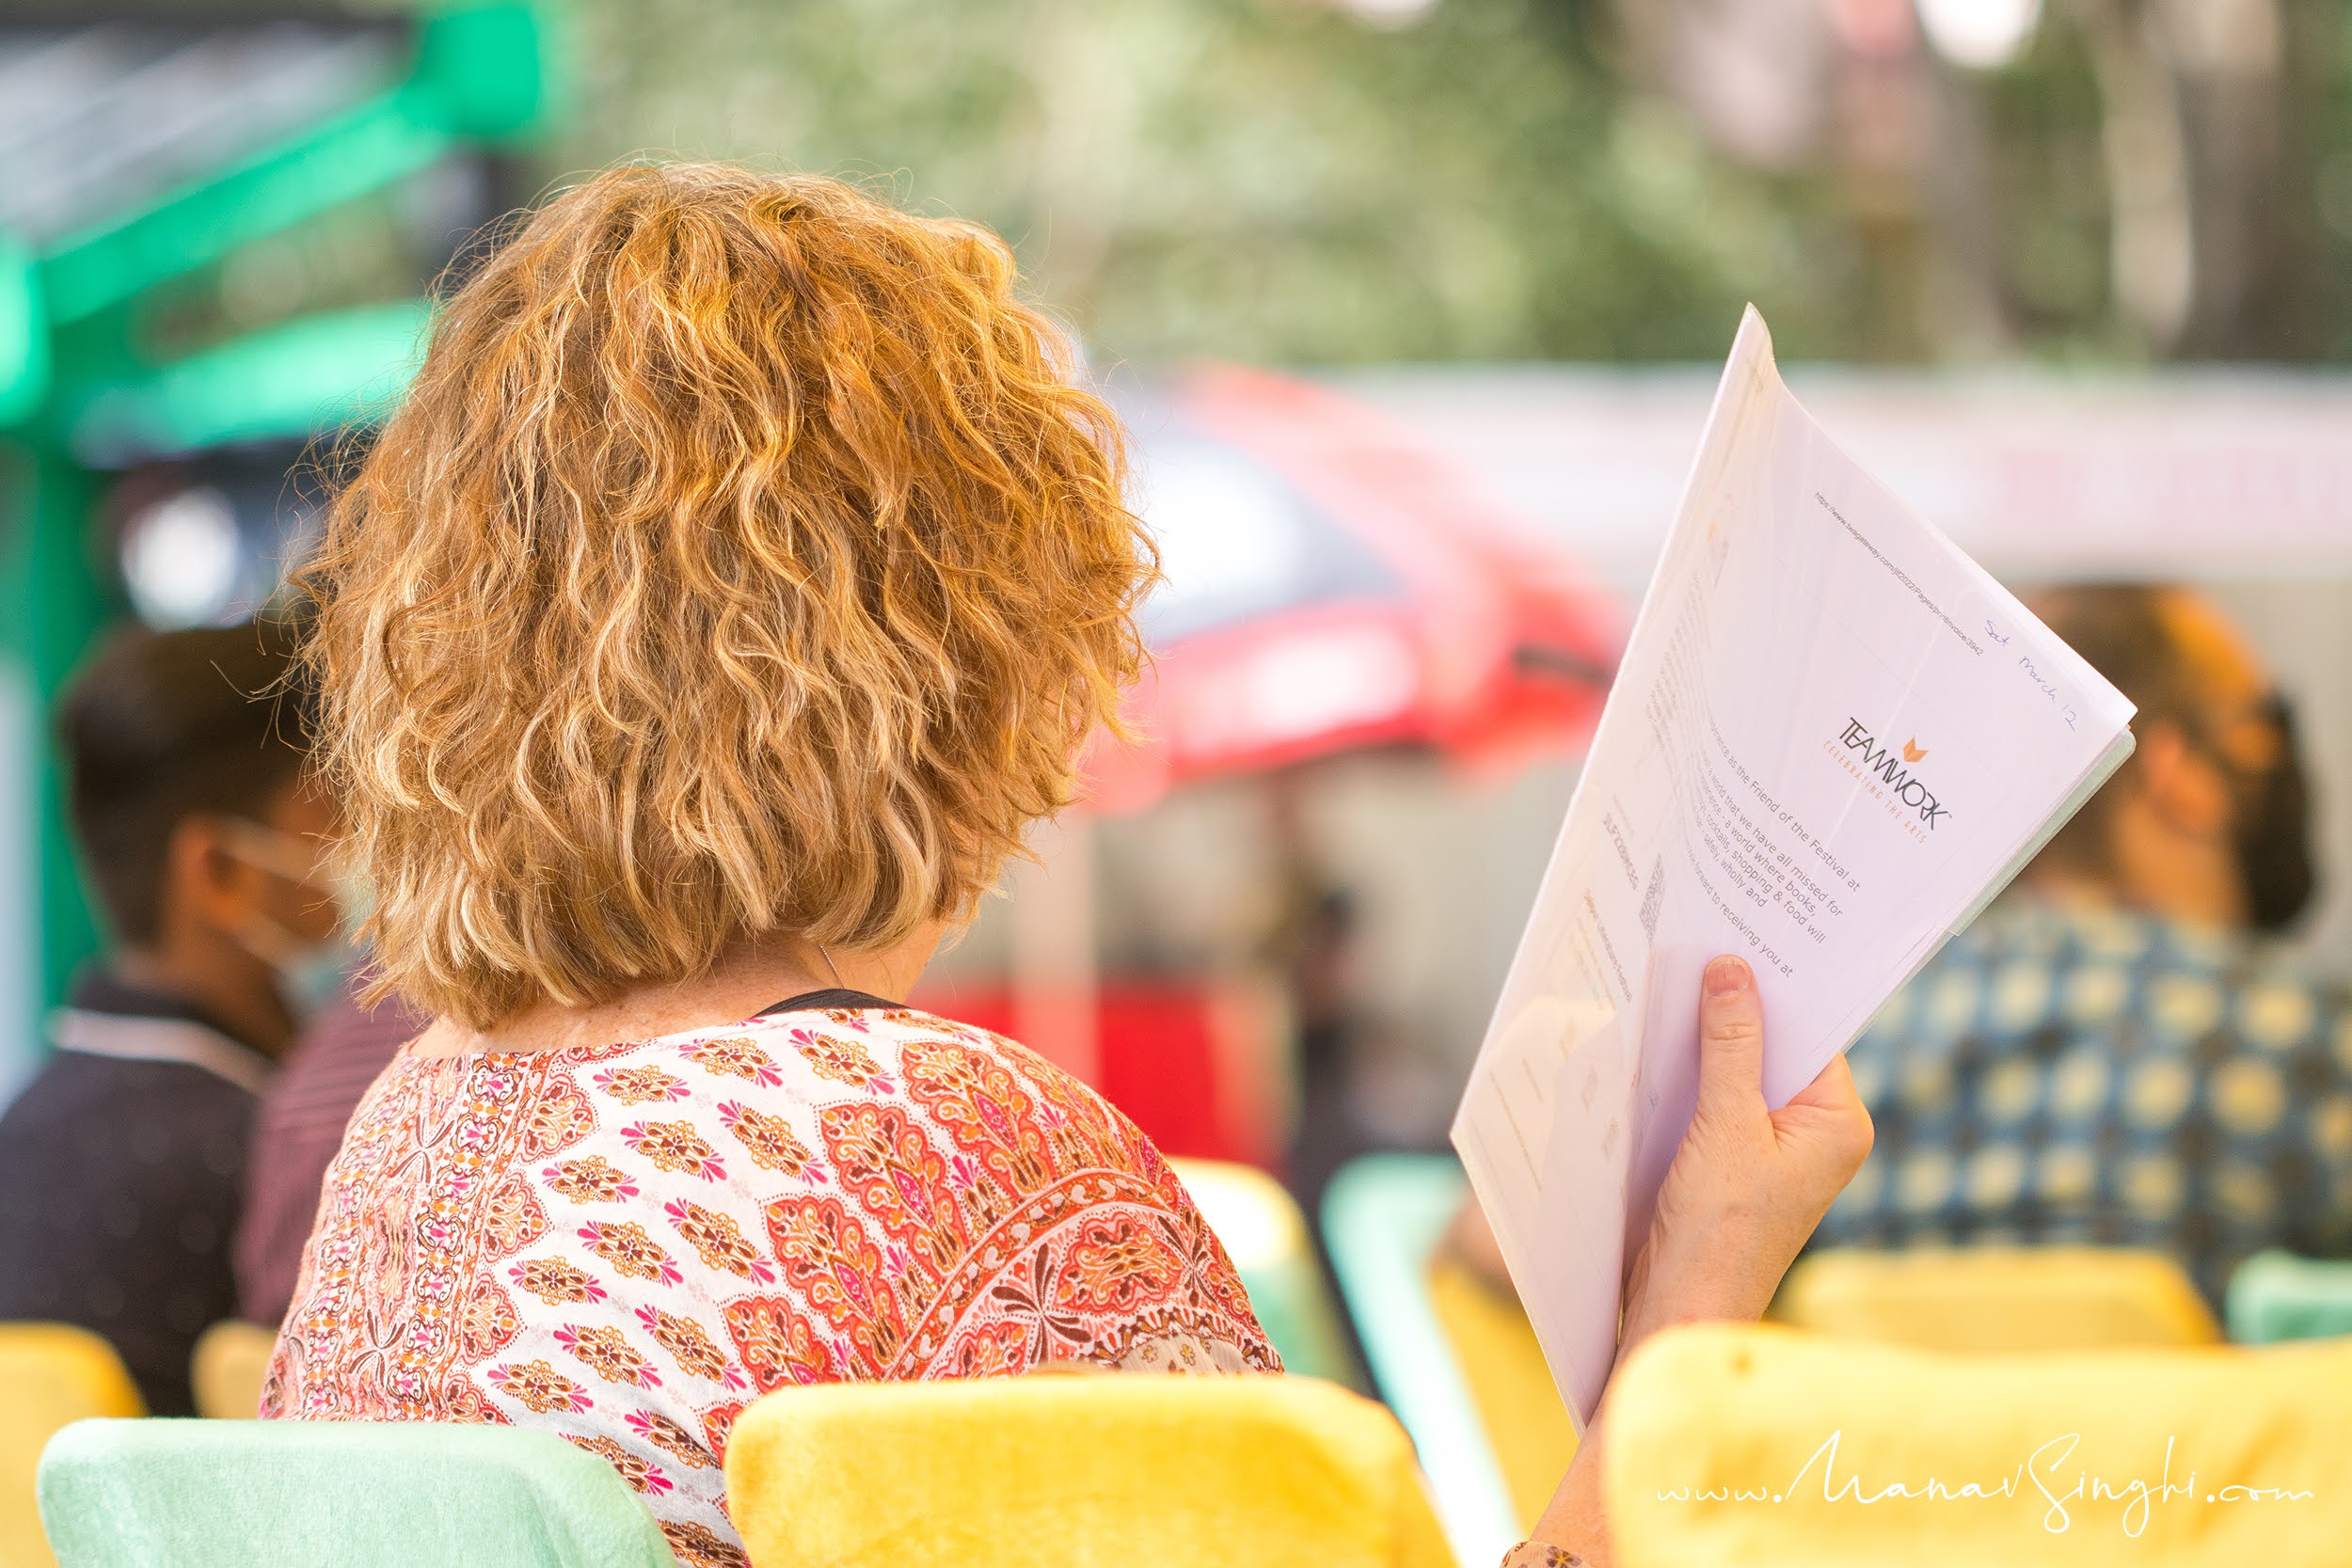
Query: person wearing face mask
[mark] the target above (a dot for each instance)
(2115, 1053)
(122, 1161)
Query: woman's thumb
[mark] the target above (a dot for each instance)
(1731, 1034)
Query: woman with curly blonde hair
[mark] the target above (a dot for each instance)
(735, 586)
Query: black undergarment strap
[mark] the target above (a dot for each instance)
(821, 1001)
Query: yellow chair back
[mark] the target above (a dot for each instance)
(1997, 1298)
(1078, 1472)
(51, 1374)
(231, 1359)
(1526, 1420)
(1767, 1448)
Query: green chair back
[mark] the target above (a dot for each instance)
(2275, 1295)
(195, 1494)
(1383, 1217)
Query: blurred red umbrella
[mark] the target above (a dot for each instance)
(1331, 585)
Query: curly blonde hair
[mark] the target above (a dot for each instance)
(745, 560)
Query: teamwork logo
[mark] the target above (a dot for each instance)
(1897, 769)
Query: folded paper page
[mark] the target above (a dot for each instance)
(1832, 739)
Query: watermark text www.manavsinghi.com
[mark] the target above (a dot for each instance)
(2048, 1476)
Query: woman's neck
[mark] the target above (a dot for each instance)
(747, 977)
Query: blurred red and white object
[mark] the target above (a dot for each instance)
(2042, 475)
(1333, 584)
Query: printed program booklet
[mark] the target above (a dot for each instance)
(1833, 739)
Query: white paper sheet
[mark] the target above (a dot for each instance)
(1833, 739)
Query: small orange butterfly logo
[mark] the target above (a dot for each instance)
(1913, 751)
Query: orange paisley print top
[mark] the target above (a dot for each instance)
(629, 1244)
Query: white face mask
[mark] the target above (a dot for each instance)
(308, 974)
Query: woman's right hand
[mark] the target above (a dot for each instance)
(1747, 1185)
(1745, 1189)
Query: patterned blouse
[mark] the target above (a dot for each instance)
(629, 1244)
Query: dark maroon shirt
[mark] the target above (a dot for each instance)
(295, 1134)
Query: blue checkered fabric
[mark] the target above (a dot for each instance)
(2075, 1076)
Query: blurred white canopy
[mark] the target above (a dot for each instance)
(2041, 475)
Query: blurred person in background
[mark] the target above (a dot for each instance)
(122, 1162)
(2114, 1053)
(1322, 961)
(296, 1133)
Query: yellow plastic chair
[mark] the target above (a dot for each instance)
(1526, 1420)
(1767, 1448)
(51, 1375)
(1266, 1237)
(1076, 1471)
(232, 1358)
(1997, 1298)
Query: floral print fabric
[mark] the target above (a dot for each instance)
(1535, 1554)
(627, 1244)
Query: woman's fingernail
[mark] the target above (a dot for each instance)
(1726, 976)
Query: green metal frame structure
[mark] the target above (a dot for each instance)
(74, 386)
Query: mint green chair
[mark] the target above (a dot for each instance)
(192, 1494)
(1383, 1217)
(1265, 1236)
(2275, 1295)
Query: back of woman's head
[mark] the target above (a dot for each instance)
(742, 561)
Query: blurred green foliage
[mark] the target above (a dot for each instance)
(1267, 179)
(1274, 181)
